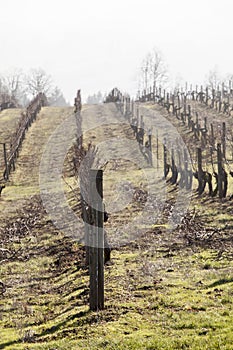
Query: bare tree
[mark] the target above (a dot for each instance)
(18, 87)
(13, 83)
(38, 81)
(229, 82)
(153, 70)
(158, 68)
(4, 93)
(214, 79)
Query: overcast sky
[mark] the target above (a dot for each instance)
(97, 45)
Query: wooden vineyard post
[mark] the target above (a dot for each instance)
(128, 108)
(122, 104)
(138, 112)
(165, 158)
(207, 97)
(224, 140)
(178, 105)
(185, 112)
(223, 88)
(197, 129)
(173, 168)
(232, 148)
(157, 148)
(205, 123)
(142, 122)
(78, 117)
(150, 146)
(132, 108)
(84, 193)
(189, 112)
(5, 161)
(220, 172)
(199, 169)
(186, 170)
(173, 105)
(212, 135)
(96, 252)
(213, 98)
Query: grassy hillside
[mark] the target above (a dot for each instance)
(164, 290)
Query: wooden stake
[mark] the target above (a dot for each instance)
(187, 185)
(220, 174)
(5, 162)
(165, 159)
(212, 134)
(199, 169)
(96, 266)
(150, 147)
(224, 140)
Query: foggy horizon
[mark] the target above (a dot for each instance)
(97, 46)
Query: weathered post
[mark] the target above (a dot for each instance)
(220, 172)
(173, 104)
(201, 95)
(186, 173)
(213, 98)
(224, 140)
(199, 171)
(223, 90)
(232, 148)
(142, 122)
(137, 124)
(207, 96)
(197, 127)
(160, 92)
(150, 146)
(212, 135)
(178, 104)
(183, 115)
(205, 123)
(78, 118)
(189, 111)
(173, 168)
(165, 158)
(96, 252)
(6, 175)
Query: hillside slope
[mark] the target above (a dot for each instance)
(163, 290)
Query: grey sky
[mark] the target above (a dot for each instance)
(96, 45)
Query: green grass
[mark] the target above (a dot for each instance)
(160, 292)
(188, 308)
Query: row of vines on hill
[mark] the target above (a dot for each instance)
(11, 149)
(211, 141)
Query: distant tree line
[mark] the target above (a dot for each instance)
(18, 88)
(96, 98)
